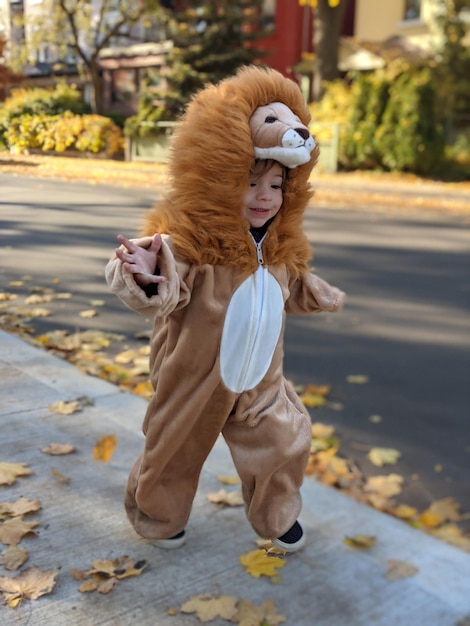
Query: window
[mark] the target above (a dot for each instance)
(412, 10)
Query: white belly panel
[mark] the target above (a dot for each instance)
(251, 331)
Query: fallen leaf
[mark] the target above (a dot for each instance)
(14, 557)
(104, 575)
(450, 533)
(403, 511)
(361, 541)
(229, 480)
(357, 379)
(229, 498)
(257, 563)
(250, 615)
(13, 530)
(23, 506)
(383, 456)
(65, 407)
(57, 474)
(312, 400)
(57, 449)
(9, 472)
(447, 509)
(322, 431)
(30, 584)
(208, 608)
(88, 313)
(375, 419)
(94, 303)
(387, 486)
(399, 569)
(104, 448)
(319, 390)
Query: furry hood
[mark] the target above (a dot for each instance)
(211, 155)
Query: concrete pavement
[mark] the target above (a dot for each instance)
(327, 584)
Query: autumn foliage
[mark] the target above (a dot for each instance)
(7, 77)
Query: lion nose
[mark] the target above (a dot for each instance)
(303, 132)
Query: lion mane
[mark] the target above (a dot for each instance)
(211, 155)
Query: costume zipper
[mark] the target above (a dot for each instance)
(252, 335)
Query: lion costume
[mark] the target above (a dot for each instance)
(217, 343)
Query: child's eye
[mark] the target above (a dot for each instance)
(276, 186)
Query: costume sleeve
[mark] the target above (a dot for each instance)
(311, 294)
(169, 293)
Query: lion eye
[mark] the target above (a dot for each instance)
(270, 119)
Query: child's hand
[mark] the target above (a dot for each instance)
(139, 261)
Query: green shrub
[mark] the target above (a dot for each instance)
(410, 137)
(59, 133)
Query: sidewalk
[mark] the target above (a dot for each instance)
(327, 584)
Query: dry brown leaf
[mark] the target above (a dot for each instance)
(447, 509)
(30, 584)
(57, 449)
(450, 533)
(403, 511)
(399, 569)
(23, 506)
(9, 472)
(123, 358)
(65, 407)
(228, 498)
(208, 607)
(13, 530)
(383, 456)
(14, 557)
(386, 486)
(104, 575)
(61, 477)
(250, 615)
(104, 448)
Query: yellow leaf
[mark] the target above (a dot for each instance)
(88, 313)
(322, 431)
(229, 480)
(123, 358)
(387, 486)
(208, 608)
(229, 498)
(357, 379)
(104, 448)
(319, 390)
(57, 449)
(312, 400)
(30, 584)
(383, 456)
(333, 3)
(360, 541)
(399, 569)
(430, 519)
(375, 419)
(257, 563)
(121, 567)
(16, 283)
(94, 303)
(23, 506)
(403, 511)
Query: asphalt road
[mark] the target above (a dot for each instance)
(405, 325)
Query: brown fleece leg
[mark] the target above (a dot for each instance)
(270, 451)
(163, 481)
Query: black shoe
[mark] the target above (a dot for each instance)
(292, 540)
(173, 542)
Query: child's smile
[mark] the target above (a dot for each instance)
(264, 197)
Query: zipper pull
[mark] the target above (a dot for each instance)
(259, 253)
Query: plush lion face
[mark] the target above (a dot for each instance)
(278, 134)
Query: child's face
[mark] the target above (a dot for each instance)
(263, 199)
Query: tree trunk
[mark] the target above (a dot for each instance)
(327, 27)
(96, 88)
